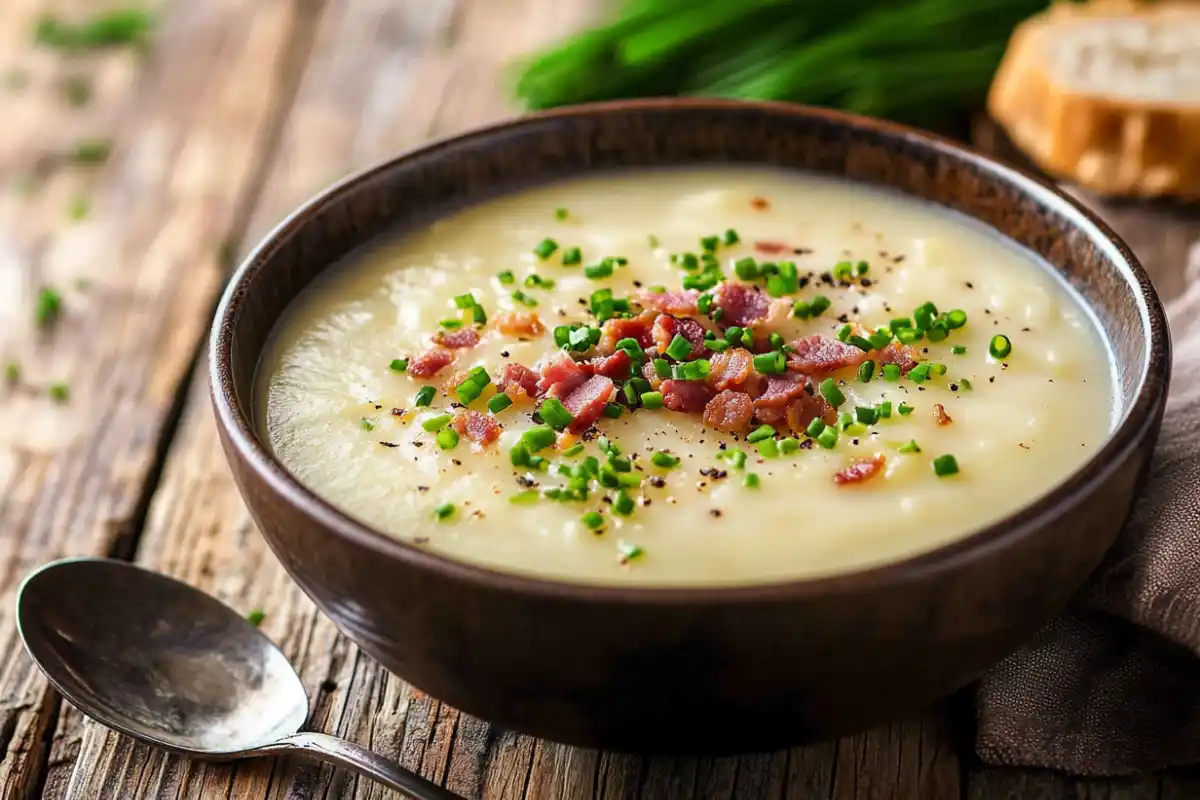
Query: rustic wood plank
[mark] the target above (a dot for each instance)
(189, 129)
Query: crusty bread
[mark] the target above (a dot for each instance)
(1107, 94)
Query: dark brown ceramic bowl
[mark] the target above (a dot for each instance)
(711, 669)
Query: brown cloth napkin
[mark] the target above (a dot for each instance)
(1113, 686)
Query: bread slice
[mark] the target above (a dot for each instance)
(1107, 94)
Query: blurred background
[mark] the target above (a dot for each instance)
(145, 145)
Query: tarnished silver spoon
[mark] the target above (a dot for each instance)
(167, 664)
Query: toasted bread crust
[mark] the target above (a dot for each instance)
(1107, 94)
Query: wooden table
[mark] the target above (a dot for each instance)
(237, 111)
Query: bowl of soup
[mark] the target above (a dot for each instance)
(690, 426)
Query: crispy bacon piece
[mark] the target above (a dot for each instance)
(615, 366)
(770, 415)
(666, 328)
(859, 471)
(640, 328)
(690, 396)
(520, 323)
(560, 376)
(430, 363)
(940, 416)
(518, 380)
(729, 411)
(741, 304)
(901, 355)
(463, 337)
(679, 304)
(651, 374)
(586, 402)
(731, 368)
(481, 429)
(781, 390)
(820, 355)
(772, 248)
(806, 408)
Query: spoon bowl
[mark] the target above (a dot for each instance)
(165, 663)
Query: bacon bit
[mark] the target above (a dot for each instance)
(759, 203)
(481, 429)
(430, 363)
(666, 327)
(690, 396)
(518, 381)
(940, 416)
(901, 355)
(651, 374)
(465, 337)
(640, 328)
(730, 368)
(781, 390)
(741, 304)
(772, 248)
(806, 408)
(818, 355)
(860, 471)
(560, 376)
(776, 417)
(520, 323)
(586, 402)
(729, 411)
(616, 366)
(679, 304)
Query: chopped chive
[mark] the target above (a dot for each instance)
(679, 348)
(603, 269)
(555, 414)
(710, 243)
(607, 447)
(613, 410)
(885, 409)
(880, 338)
(518, 454)
(464, 300)
(48, 307)
(364, 423)
(958, 349)
(444, 512)
(539, 463)
(451, 324)
(506, 277)
(735, 457)
(651, 400)
(789, 445)
(622, 503)
(572, 256)
(730, 237)
(828, 437)
(499, 402)
(256, 617)
(862, 343)
(78, 209)
(472, 386)
(815, 427)
(900, 323)
(891, 372)
(956, 318)
(747, 337)
(919, 373)
(862, 268)
(843, 270)
(716, 345)
(910, 446)
(772, 363)
(424, 396)
(801, 310)
(908, 335)
(691, 370)
(845, 420)
(573, 450)
(538, 438)
(77, 90)
(629, 551)
(436, 423)
(866, 371)
(746, 268)
(866, 415)
(447, 438)
(524, 498)
(923, 316)
(760, 433)
(664, 460)
(937, 331)
(832, 394)
(937, 368)
(399, 365)
(905, 409)
(819, 305)
(843, 333)
(768, 448)
(945, 465)
(1000, 346)
(561, 214)
(630, 393)
(12, 373)
(524, 299)
(751, 480)
(965, 384)
(592, 520)
(91, 151)
(662, 368)
(545, 248)
(775, 340)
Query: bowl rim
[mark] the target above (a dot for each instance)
(1138, 421)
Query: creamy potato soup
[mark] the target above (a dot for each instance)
(706, 376)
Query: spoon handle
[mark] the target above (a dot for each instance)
(360, 760)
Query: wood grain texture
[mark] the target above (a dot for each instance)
(187, 119)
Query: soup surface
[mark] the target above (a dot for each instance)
(682, 331)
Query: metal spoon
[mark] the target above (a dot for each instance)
(165, 663)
